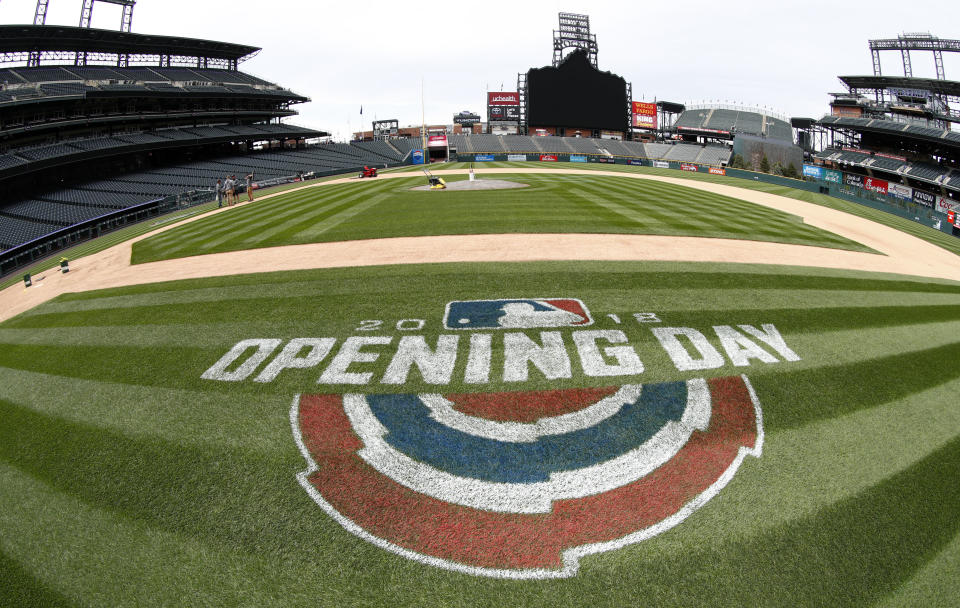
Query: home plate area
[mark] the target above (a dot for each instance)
(521, 485)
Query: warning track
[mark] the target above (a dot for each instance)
(899, 253)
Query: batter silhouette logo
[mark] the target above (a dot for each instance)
(523, 484)
(517, 313)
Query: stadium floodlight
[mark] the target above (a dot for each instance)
(126, 21)
(39, 18)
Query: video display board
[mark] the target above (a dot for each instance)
(576, 94)
(503, 106)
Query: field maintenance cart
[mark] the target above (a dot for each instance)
(436, 183)
(368, 172)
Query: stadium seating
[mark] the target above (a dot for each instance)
(714, 155)
(683, 153)
(14, 231)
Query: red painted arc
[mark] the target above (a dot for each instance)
(485, 539)
(571, 306)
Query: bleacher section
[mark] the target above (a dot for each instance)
(925, 172)
(735, 121)
(896, 128)
(121, 143)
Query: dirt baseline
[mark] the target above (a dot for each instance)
(900, 253)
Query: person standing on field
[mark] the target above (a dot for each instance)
(249, 179)
(228, 187)
(218, 190)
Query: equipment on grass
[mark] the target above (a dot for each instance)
(368, 172)
(436, 183)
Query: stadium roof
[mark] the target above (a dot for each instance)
(949, 88)
(27, 38)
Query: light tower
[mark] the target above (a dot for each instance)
(126, 23)
(39, 18)
(574, 33)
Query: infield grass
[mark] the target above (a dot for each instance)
(127, 480)
(551, 204)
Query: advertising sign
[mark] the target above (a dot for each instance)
(813, 171)
(717, 171)
(517, 158)
(924, 198)
(945, 205)
(503, 112)
(548, 158)
(484, 158)
(437, 141)
(635, 162)
(829, 175)
(952, 217)
(644, 115)
(877, 185)
(417, 157)
(467, 119)
(574, 158)
(385, 128)
(904, 193)
(687, 167)
(659, 164)
(852, 179)
(607, 160)
(503, 99)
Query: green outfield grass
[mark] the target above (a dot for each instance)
(551, 204)
(128, 480)
(919, 230)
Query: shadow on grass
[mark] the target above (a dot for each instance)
(854, 552)
(18, 587)
(234, 498)
(794, 398)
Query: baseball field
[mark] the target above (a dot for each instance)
(596, 389)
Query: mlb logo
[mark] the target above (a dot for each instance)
(516, 313)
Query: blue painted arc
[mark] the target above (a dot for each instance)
(413, 432)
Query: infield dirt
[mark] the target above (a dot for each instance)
(899, 253)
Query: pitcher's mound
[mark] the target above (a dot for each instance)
(478, 184)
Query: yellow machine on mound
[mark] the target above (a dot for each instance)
(436, 183)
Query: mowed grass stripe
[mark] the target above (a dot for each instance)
(850, 553)
(315, 230)
(254, 219)
(839, 457)
(196, 417)
(730, 216)
(241, 216)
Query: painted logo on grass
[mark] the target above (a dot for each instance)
(523, 313)
(523, 484)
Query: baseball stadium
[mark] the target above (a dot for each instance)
(597, 352)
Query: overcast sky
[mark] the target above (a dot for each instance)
(343, 55)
